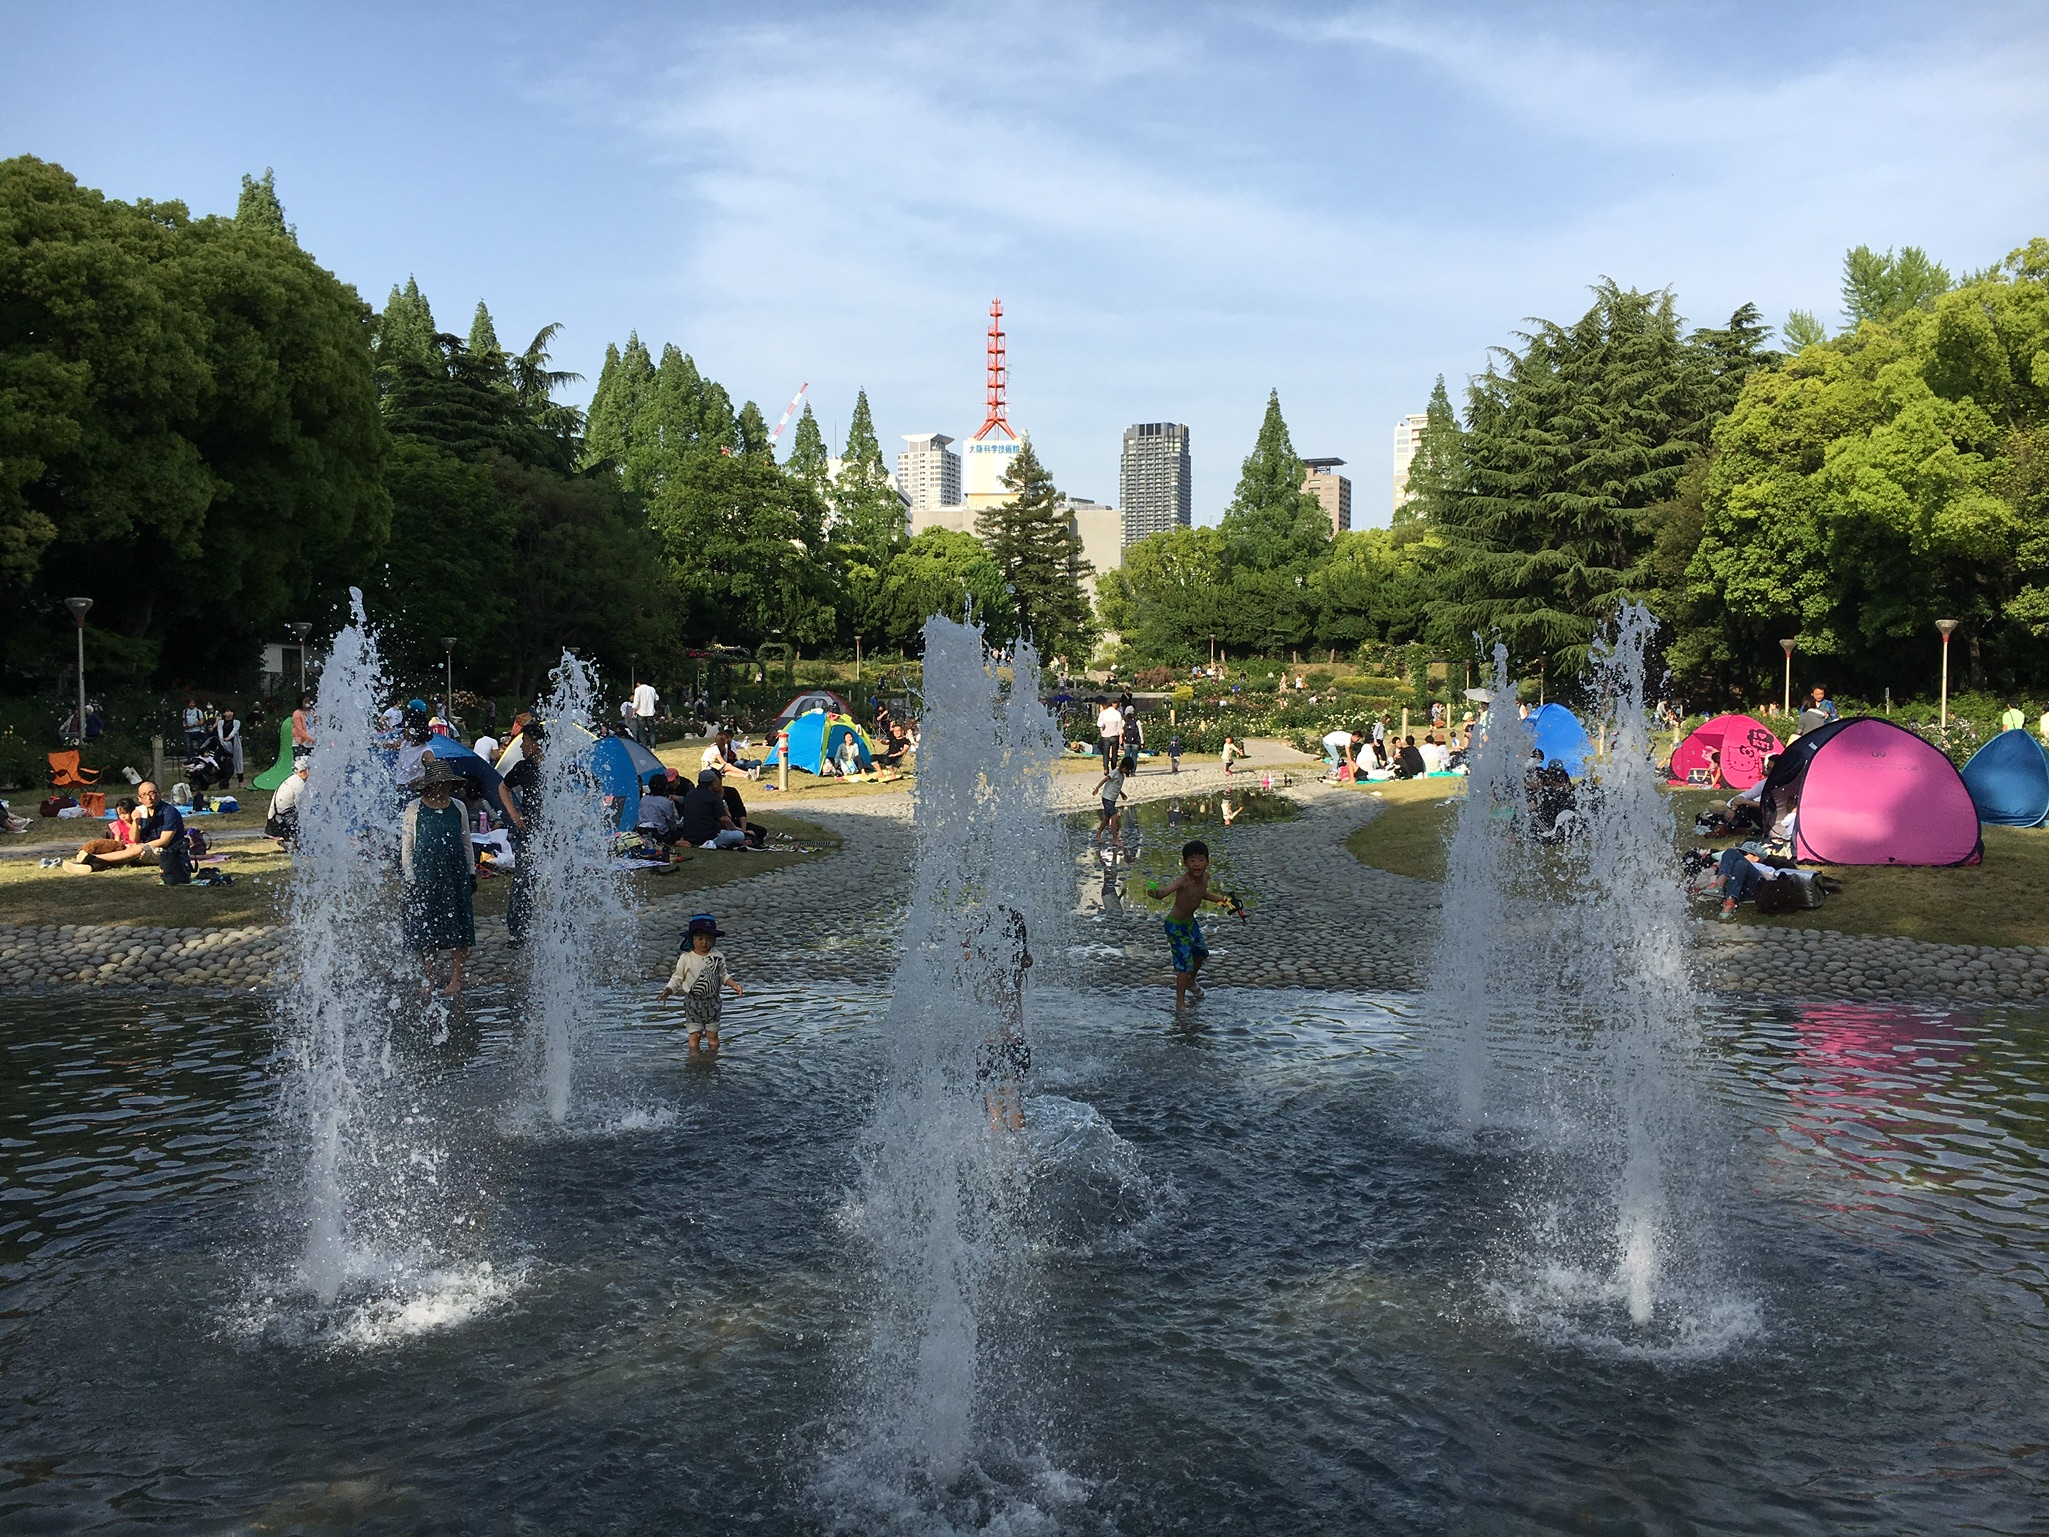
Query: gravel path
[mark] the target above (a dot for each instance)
(1320, 919)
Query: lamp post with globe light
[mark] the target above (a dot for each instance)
(1786, 704)
(79, 607)
(300, 629)
(448, 682)
(1948, 628)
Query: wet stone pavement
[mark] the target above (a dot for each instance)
(1320, 919)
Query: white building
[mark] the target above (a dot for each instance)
(928, 471)
(1408, 434)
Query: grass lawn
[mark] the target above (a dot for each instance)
(29, 894)
(2004, 901)
(52, 835)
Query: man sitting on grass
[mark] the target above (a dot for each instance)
(707, 823)
(158, 826)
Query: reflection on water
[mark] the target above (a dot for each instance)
(1265, 1273)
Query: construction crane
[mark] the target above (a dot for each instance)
(788, 412)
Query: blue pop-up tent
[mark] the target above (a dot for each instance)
(621, 767)
(1556, 732)
(815, 739)
(2009, 780)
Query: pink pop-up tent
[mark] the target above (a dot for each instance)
(1870, 793)
(1743, 743)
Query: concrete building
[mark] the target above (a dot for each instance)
(1330, 488)
(928, 471)
(1408, 434)
(994, 445)
(1101, 530)
(1153, 479)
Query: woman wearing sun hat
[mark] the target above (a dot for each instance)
(439, 867)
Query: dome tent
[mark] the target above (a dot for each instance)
(1872, 793)
(1744, 744)
(1556, 733)
(812, 699)
(2009, 780)
(815, 738)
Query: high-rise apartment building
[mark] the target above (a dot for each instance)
(1408, 435)
(928, 472)
(1153, 480)
(1330, 488)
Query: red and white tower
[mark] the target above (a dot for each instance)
(994, 445)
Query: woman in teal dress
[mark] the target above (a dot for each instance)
(438, 865)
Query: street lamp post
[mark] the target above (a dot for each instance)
(300, 629)
(78, 607)
(448, 682)
(1786, 704)
(1948, 628)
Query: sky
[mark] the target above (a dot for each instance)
(1181, 206)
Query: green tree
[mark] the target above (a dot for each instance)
(750, 431)
(1168, 597)
(809, 462)
(1803, 330)
(1032, 540)
(258, 207)
(865, 505)
(744, 542)
(405, 330)
(1568, 444)
(1879, 287)
(1376, 586)
(624, 386)
(1438, 471)
(483, 337)
(448, 566)
(942, 572)
(1272, 523)
(1870, 485)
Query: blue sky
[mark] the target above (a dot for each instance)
(1181, 206)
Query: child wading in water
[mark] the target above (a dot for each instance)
(1111, 788)
(700, 970)
(1184, 931)
(998, 957)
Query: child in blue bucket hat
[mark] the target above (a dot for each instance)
(700, 972)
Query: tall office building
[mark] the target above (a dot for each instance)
(1408, 435)
(1330, 488)
(928, 472)
(1153, 481)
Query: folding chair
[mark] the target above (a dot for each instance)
(65, 772)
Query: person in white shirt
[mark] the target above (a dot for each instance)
(644, 701)
(1110, 728)
(486, 747)
(1436, 757)
(1340, 747)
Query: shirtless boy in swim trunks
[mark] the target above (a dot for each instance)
(1184, 931)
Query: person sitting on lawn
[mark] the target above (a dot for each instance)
(120, 836)
(1408, 763)
(707, 823)
(158, 825)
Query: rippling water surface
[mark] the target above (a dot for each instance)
(1275, 1292)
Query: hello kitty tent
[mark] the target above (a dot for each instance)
(1743, 743)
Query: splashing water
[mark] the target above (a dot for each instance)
(342, 932)
(1564, 962)
(941, 1203)
(1480, 970)
(581, 917)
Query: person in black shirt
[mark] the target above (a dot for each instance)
(736, 810)
(706, 822)
(521, 793)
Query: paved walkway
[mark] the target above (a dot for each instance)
(1320, 919)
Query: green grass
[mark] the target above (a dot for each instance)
(29, 894)
(2004, 901)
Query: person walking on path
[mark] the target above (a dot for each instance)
(700, 972)
(1231, 754)
(1109, 729)
(438, 866)
(644, 701)
(1111, 788)
(1188, 892)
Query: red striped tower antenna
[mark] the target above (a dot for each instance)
(998, 375)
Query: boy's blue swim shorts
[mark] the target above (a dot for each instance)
(1185, 935)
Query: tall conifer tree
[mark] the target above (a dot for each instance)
(1272, 522)
(1437, 472)
(258, 206)
(406, 329)
(1033, 541)
(624, 385)
(483, 338)
(809, 461)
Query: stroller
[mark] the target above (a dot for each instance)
(210, 769)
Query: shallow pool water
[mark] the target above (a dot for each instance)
(1275, 1291)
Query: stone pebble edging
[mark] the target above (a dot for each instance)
(117, 954)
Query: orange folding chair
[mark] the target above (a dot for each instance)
(65, 772)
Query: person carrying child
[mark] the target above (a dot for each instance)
(1188, 892)
(1111, 788)
(700, 972)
